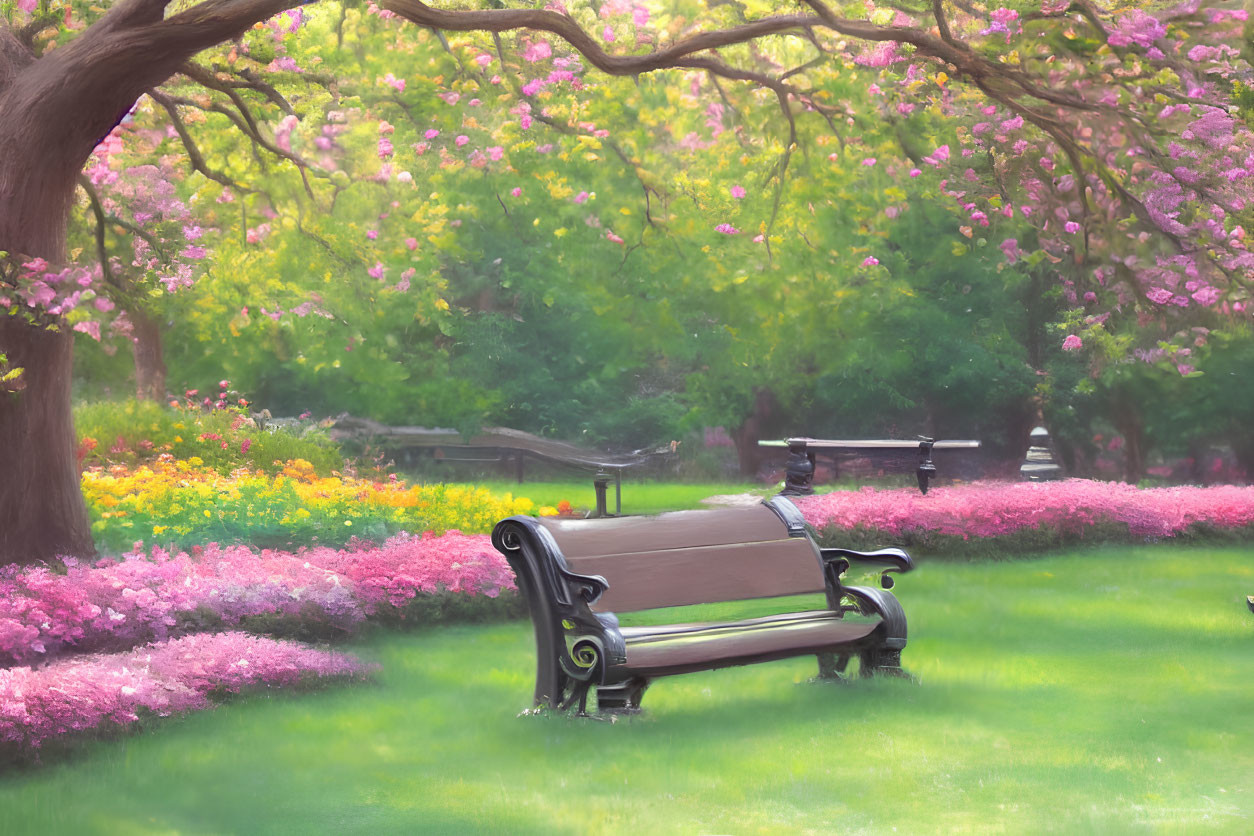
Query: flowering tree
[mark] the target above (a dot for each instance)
(1111, 141)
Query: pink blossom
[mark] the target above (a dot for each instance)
(431, 133)
(1071, 227)
(377, 271)
(537, 51)
(169, 677)
(284, 63)
(1010, 247)
(461, 140)
(372, 234)
(610, 236)
(914, 172)
(868, 162)
(582, 197)
(870, 261)
(516, 191)
(411, 243)
(1072, 343)
(607, 34)
(483, 59)
(737, 192)
(938, 156)
(91, 328)
(727, 229)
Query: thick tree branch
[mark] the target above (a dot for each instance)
(504, 20)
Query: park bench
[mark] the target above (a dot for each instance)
(576, 575)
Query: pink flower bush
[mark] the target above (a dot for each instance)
(152, 596)
(1071, 508)
(164, 678)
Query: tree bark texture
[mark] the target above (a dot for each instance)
(752, 430)
(1127, 421)
(42, 512)
(150, 370)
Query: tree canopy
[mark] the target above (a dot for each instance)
(724, 193)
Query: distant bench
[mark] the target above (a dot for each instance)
(576, 574)
(501, 444)
(802, 453)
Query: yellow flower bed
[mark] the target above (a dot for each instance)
(180, 501)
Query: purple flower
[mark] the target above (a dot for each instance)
(727, 229)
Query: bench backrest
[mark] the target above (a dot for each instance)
(692, 557)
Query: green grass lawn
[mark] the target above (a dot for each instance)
(1102, 691)
(638, 497)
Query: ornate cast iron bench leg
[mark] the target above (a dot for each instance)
(623, 698)
(882, 660)
(832, 665)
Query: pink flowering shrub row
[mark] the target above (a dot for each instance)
(1030, 514)
(150, 596)
(99, 691)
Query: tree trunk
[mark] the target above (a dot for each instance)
(1128, 422)
(53, 111)
(751, 430)
(150, 368)
(42, 513)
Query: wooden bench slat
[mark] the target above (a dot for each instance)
(673, 530)
(678, 577)
(741, 644)
(646, 632)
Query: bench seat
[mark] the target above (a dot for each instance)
(683, 648)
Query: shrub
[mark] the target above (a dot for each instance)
(991, 516)
(146, 596)
(170, 677)
(135, 432)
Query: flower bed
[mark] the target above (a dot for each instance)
(1029, 515)
(180, 503)
(147, 596)
(223, 437)
(84, 693)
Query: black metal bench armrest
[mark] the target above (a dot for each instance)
(892, 560)
(837, 561)
(590, 588)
